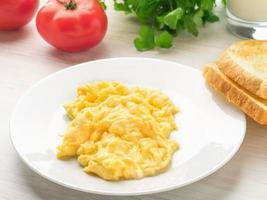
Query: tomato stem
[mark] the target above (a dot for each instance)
(71, 5)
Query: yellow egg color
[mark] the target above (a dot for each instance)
(118, 132)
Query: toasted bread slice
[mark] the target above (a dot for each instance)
(245, 62)
(251, 104)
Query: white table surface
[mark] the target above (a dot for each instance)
(25, 58)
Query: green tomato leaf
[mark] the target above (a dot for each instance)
(164, 40)
(172, 18)
(146, 39)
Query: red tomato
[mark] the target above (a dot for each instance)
(72, 25)
(16, 13)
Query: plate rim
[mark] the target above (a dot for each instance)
(101, 192)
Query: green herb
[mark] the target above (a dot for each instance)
(146, 39)
(103, 4)
(172, 18)
(164, 40)
(161, 20)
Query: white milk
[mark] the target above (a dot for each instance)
(250, 10)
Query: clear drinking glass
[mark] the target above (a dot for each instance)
(248, 18)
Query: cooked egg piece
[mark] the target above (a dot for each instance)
(119, 132)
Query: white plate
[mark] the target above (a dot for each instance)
(210, 130)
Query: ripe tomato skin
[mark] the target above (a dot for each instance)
(16, 13)
(72, 30)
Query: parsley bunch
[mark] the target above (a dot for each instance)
(162, 19)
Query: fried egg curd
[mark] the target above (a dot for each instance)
(119, 132)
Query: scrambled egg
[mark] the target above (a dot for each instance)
(119, 132)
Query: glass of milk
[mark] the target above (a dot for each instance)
(248, 18)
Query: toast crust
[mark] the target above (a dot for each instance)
(248, 51)
(248, 103)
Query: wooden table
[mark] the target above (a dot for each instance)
(25, 58)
